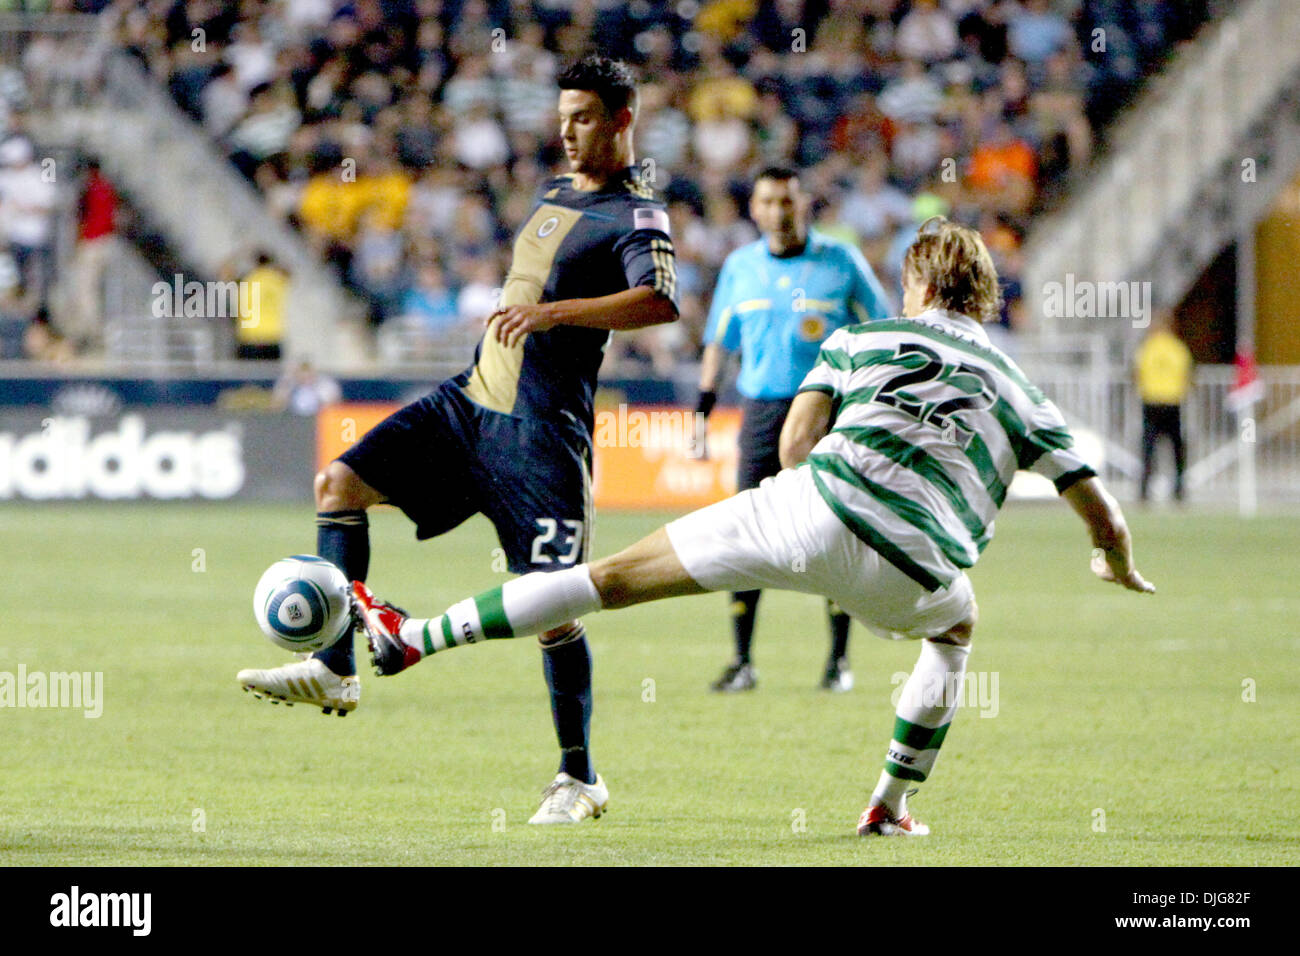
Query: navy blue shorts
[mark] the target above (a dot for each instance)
(443, 459)
(760, 439)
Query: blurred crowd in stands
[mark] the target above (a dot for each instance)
(405, 138)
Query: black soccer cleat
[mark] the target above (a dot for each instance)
(838, 678)
(738, 676)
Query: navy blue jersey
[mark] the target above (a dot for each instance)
(574, 245)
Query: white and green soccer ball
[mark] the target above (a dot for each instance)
(303, 603)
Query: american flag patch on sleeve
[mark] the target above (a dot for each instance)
(650, 219)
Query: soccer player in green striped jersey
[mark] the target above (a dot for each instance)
(898, 451)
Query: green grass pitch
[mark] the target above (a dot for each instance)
(1128, 730)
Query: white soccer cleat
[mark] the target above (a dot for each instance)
(304, 682)
(568, 800)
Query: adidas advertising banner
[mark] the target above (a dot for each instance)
(157, 454)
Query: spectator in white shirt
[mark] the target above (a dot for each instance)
(928, 33)
(305, 391)
(27, 199)
(224, 101)
(251, 56)
(912, 97)
(874, 208)
(479, 141)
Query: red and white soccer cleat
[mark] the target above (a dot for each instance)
(382, 623)
(878, 821)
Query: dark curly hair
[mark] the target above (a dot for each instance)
(609, 79)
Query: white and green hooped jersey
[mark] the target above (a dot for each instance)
(928, 426)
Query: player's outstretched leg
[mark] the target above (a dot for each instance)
(328, 678)
(838, 678)
(542, 601)
(527, 605)
(537, 603)
(925, 710)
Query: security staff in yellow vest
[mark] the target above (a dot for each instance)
(1163, 369)
(260, 328)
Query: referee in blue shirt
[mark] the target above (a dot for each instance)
(776, 301)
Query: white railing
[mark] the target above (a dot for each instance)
(1217, 439)
(409, 347)
(1270, 430)
(135, 338)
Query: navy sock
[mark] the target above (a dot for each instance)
(568, 676)
(343, 537)
(839, 631)
(744, 610)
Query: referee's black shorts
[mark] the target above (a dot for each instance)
(760, 439)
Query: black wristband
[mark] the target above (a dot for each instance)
(704, 404)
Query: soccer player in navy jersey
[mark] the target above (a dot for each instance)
(511, 436)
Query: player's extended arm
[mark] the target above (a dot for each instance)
(806, 424)
(1113, 560)
(631, 309)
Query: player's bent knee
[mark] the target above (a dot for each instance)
(339, 488)
(568, 631)
(646, 571)
(611, 583)
(624, 579)
(959, 634)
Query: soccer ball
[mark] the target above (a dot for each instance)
(303, 603)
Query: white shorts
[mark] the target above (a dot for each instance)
(783, 535)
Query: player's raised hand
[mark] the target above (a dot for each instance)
(1116, 566)
(516, 321)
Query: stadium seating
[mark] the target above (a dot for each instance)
(439, 113)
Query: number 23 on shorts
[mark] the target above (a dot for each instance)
(550, 529)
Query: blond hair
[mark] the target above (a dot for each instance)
(952, 263)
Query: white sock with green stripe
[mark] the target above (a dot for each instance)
(925, 709)
(531, 604)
